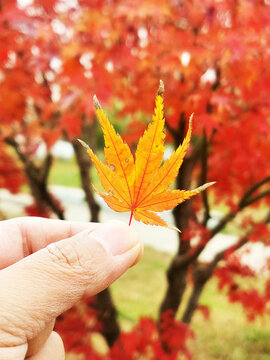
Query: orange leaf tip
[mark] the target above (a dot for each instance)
(96, 103)
(205, 186)
(161, 88)
(171, 227)
(84, 144)
(190, 120)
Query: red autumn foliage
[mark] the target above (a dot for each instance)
(147, 339)
(213, 59)
(33, 210)
(76, 326)
(198, 234)
(205, 311)
(230, 277)
(11, 177)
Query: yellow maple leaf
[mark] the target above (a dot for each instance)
(140, 184)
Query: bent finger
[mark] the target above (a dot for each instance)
(23, 236)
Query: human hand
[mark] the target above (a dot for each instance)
(46, 267)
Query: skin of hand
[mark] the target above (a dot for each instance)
(46, 266)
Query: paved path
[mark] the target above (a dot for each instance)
(158, 238)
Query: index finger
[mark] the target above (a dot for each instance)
(23, 236)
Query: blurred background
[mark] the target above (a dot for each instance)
(203, 293)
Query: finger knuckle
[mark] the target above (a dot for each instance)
(66, 255)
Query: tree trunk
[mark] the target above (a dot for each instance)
(107, 316)
(183, 213)
(201, 274)
(176, 277)
(84, 166)
(177, 272)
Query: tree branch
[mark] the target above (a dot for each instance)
(201, 274)
(257, 197)
(172, 130)
(244, 202)
(84, 166)
(251, 190)
(38, 177)
(46, 167)
(10, 141)
(203, 180)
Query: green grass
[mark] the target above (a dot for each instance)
(139, 292)
(65, 173)
(226, 336)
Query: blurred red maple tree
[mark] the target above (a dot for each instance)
(213, 57)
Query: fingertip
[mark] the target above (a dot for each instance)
(139, 249)
(116, 237)
(129, 259)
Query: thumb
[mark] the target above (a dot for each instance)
(38, 288)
